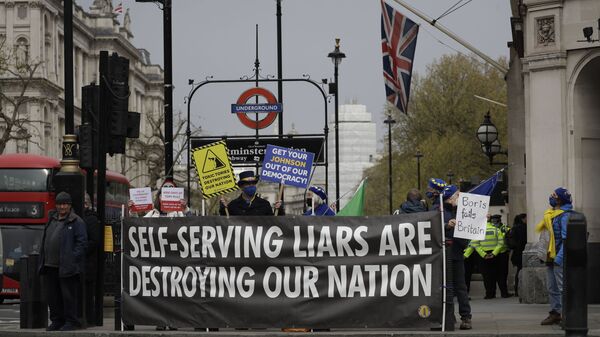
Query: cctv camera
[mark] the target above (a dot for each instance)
(587, 33)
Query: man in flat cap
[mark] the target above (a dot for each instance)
(62, 261)
(248, 203)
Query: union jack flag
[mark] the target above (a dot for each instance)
(398, 44)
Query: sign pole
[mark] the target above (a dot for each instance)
(281, 185)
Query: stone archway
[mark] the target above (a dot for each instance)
(586, 175)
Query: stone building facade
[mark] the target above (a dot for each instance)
(33, 31)
(554, 124)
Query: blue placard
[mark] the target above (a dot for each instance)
(287, 166)
(256, 108)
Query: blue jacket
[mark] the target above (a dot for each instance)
(73, 242)
(559, 226)
(321, 210)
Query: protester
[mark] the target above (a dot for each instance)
(316, 200)
(248, 203)
(435, 187)
(414, 202)
(457, 247)
(556, 222)
(62, 260)
(91, 261)
(516, 239)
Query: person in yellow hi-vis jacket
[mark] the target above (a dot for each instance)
(488, 249)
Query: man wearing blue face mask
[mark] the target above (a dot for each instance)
(248, 203)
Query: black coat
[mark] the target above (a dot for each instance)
(457, 245)
(73, 242)
(93, 233)
(258, 206)
(517, 241)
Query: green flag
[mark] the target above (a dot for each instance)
(356, 205)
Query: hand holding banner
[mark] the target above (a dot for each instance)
(471, 216)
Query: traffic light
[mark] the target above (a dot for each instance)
(119, 87)
(86, 146)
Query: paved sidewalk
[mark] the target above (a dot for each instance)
(496, 317)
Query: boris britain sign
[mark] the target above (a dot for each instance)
(261, 272)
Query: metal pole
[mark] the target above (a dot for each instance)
(279, 67)
(419, 173)
(337, 139)
(168, 55)
(68, 51)
(390, 162)
(453, 36)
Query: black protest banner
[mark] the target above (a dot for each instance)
(315, 272)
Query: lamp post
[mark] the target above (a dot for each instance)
(487, 133)
(389, 121)
(168, 84)
(418, 155)
(336, 57)
(450, 175)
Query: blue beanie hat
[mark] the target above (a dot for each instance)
(318, 191)
(449, 191)
(564, 195)
(437, 184)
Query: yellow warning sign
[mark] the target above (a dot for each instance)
(214, 169)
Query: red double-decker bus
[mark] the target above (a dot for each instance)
(26, 196)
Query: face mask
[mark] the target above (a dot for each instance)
(429, 195)
(552, 201)
(249, 190)
(309, 202)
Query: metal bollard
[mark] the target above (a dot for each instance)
(33, 306)
(575, 277)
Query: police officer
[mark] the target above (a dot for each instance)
(248, 203)
(503, 256)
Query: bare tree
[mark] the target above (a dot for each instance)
(17, 76)
(150, 147)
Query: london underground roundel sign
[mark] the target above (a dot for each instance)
(269, 117)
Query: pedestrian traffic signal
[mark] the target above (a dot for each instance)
(86, 146)
(119, 93)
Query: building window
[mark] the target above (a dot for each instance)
(22, 12)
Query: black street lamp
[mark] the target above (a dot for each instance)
(389, 121)
(418, 155)
(487, 133)
(168, 84)
(450, 175)
(336, 57)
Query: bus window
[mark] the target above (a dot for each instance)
(24, 180)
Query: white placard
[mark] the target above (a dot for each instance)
(471, 216)
(141, 198)
(170, 199)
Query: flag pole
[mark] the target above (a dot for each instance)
(453, 36)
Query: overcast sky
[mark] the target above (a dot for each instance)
(217, 38)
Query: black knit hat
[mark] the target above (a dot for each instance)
(63, 198)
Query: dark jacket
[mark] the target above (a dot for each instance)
(91, 254)
(457, 245)
(73, 242)
(258, 206)
(412, 206)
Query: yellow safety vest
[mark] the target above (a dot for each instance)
(493, 242)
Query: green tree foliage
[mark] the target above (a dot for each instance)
(442, 122)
